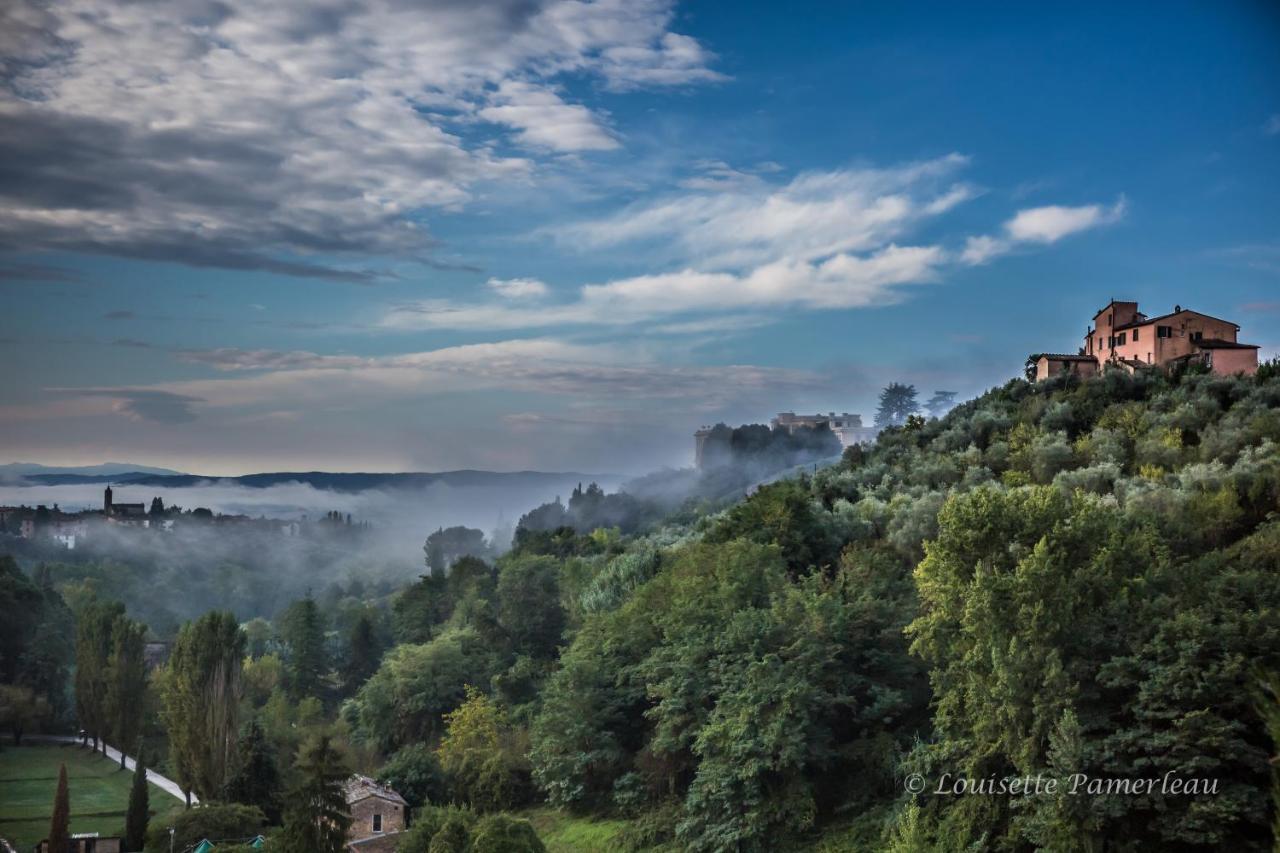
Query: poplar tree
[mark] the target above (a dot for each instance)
(200, 702)
(94, 631)
(135, 822)
(59, 831)
(318, 819)
(127, 681)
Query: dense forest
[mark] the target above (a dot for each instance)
(1076, 581)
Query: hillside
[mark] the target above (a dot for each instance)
(1078, 580)
(1072, 586)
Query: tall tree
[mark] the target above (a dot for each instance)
(135, 820)
(59, 823)
(201, 699)
(257, 778)
(95, 624)
(317, 819)
(447, 545)
(896, 402)
(304, 636)
(127, 681)
(940, 403)
(364, 653)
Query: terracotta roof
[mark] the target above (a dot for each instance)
(1218, 343)
(359, 787)
(1149, 320)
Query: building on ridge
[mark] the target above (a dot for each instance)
(1123, 337)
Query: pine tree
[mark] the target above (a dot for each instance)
(940, 403)
(317, 819)
(59, 829)
(135, 821)
(896, 402)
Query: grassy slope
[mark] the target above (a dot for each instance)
(564, 833)
(99, 792)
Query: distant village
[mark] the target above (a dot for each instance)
(70, 528)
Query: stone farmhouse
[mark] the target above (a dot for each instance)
(378, 816)
(1123, 337)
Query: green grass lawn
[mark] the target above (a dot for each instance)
(98, 788)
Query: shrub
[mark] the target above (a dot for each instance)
(501, 834)
(207, 820)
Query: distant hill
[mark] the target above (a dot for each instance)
(123, 471)
(328, 481)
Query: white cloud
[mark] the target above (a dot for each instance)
(1040, 225)
(250, 135)
(841, 281)
(979, 250)
(543, 120)
(1050, 224)
(729, 222)
(518, 288)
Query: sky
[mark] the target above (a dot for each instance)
(384, 235)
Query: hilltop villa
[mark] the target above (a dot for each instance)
(1124, 337)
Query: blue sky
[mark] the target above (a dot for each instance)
(382, 235)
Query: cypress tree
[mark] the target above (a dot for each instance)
(304, 634)
(363, 655)
(59, 829)
(257, 779)
(135, 822)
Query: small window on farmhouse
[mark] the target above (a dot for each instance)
(1135, 336)
(1195, 336)
(1122, 336)
(1164, 331)
(377, 822)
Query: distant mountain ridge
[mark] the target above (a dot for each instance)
(25, 470)
(336, 482)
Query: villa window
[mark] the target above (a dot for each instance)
(377, 822)
(1164, 331)
(1135, 336)
(1122, 335)
(1196, 336)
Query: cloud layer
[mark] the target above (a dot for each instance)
(244, 135)
(742, 244)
